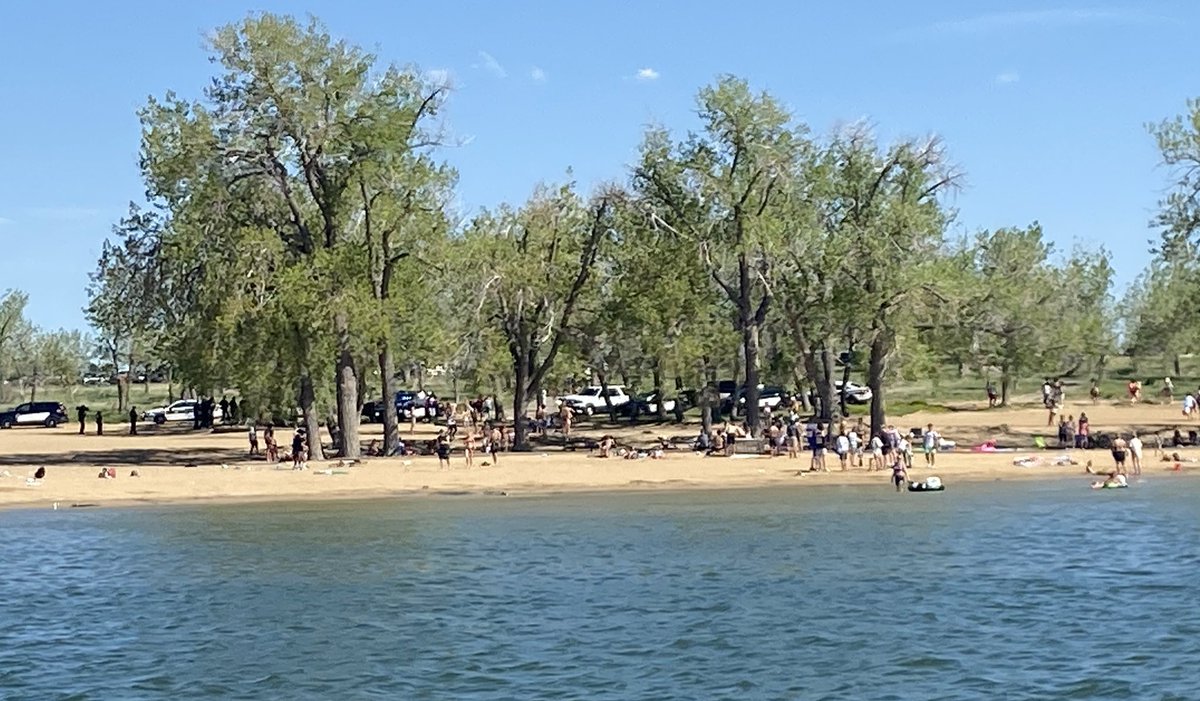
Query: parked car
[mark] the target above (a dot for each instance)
(589, 400)
(182, 410)
(372, 412)
(854, 392)
(48, 414)
(94, 379)
(768, 397)
(409, 402)
(647, 404)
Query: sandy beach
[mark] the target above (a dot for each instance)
(177, 465)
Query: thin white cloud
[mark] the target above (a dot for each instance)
(1008, 78)
(646, 74)
(6, 222)
(491, 65)
(440, 77)
(538, 75)
(999, 21)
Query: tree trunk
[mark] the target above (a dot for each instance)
(608, 405)
(521, 379)
(876, 368)
(1005, 383)
(846, 377)
(1175, 365)
(750, 341)
(312, 424)
(347, 392)
(391, 423)
(661, 410)
(825, 383)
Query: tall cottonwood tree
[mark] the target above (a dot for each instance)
(721, 189)
(299, 137)
(531, 269)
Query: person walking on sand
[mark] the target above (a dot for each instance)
(565, 417)
(1094, 392)
(81, 411)
(1135, 454)
(99, 423)
(930, 441)
(252, 434)
(133, 421)
(842, 445)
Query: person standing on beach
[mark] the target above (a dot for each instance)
(233, 412)
(298, 449)
(930, 441)
(842, 445)
(1135, 454)
(133, 421)
(818, 450)
(272, 446)
(81, 411)
(252, 434)
(99, 423)
(443, 451)
(469, 447)
(494, 445)
(1083, 435)
(1119, 449)
(224, 409)
(1094, 392)
(876, 462)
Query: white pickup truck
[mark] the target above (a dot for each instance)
(589, 400)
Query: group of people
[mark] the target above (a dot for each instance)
(1074, 434)
(81, 413)
(205, 415)
(889, 447)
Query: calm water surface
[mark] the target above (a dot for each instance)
(1014, 591)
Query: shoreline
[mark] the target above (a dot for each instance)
(82, 489)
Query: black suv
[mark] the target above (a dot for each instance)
(48, 414)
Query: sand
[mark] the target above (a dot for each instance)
(177, 465)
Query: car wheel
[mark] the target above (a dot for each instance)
(51, 422)
(5, 424)
(588, 411)
(160, 419)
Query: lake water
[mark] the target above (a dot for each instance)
(1014, 591)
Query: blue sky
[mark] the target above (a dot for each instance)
(1043, 105)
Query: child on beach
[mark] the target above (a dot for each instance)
(252, 434)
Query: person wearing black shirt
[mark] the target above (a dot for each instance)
(818, 449)
(99, 423)
(133, 421)
(81, 411)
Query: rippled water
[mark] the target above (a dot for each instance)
(1016, 591)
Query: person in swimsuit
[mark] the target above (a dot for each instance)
(899, 475)
(443, 451)
(1119, 449)
(469, 447)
